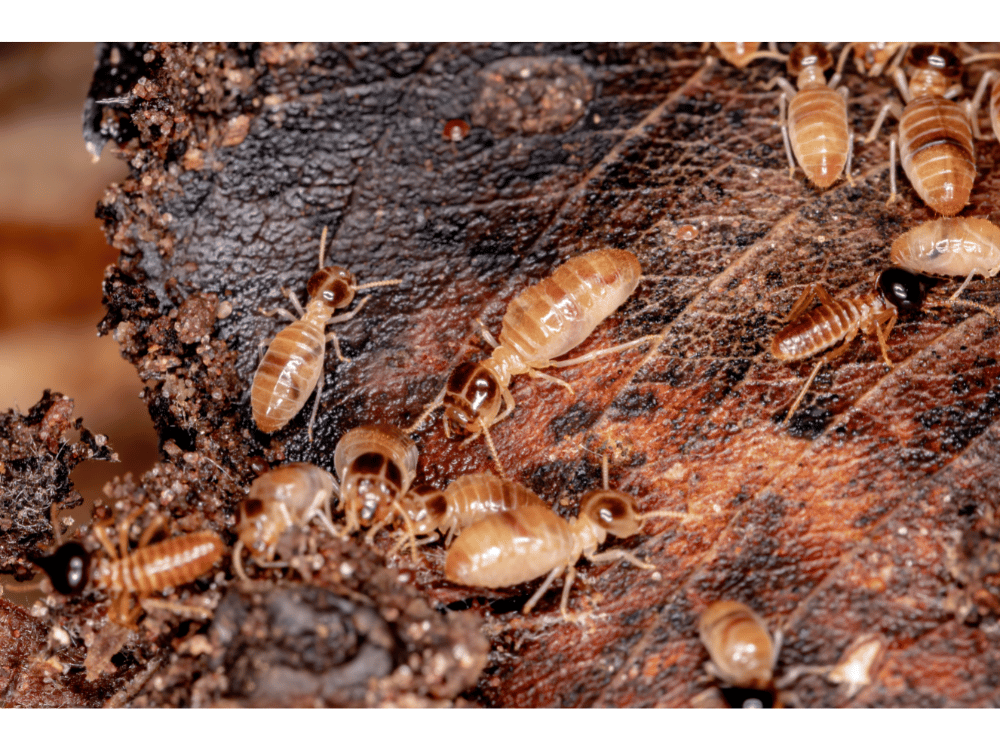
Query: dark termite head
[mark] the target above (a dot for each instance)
(904, 290)
(455, 130)
(615, 512)
(938, 58)
(808, 54)
(426, 506)
(255, 527)
(471, 400)
(334, 285)
(67, 568)
(372, 483)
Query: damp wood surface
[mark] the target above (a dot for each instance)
(872, 511)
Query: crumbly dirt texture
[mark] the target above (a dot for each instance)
(873, 511)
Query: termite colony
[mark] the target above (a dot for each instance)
(497, 533)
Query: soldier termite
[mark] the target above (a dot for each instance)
(516, 546)
(742, 651)
(289, 495)
(544, 321)
(292, 368)
(151, 568)
(376, 465)
(955, 246)
(816, 128)
(834, 320)
(935, 134)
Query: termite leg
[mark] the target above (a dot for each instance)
(542, 589)
(829, 357)
(601, 352)
(893, 197)
(783, 122)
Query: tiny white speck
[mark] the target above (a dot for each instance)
(902, 531)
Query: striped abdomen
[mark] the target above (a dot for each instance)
(823, 326)
(560, 312)
(473, 497)
(510, 547)
(288, 374)
(936, 148)
(739, 644)
(955, 246)
(166, 564)
(817, 128)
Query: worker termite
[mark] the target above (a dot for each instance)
(977, 99)
(376, 465)
(871, 58)
(290, 495)
(816, 128)
(955, 246)
(151, 568)
(855, 669)
(293, 365)
(834, 320)
(935, 134)
(740, 646)
(519, 545)
(470, 498)
(544, 321)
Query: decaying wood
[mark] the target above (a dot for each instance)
(873, 512)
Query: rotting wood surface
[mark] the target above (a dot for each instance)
(873, 512)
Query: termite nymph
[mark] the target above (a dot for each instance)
(955, 246)
(519, 545)
(544, 321)
(289, 495)
(151, 568)
(376, 465)
(740, 646)
(935, 134)
(292, 368)
(816, 128)
(873, 313)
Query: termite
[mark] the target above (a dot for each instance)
(741, 54)
(935, 134)
(376, 465)
(515, 546)
(544, 321)
(816, 128)
(955, 246)
(293, 365)
(834, 320)
(470, 498)
(856, 667)
(977, 99)
(871, 58)
(742, 650)
(290, 495)
(151, 568)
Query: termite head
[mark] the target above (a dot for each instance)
(67, 568)
(904, 290)
(471, 400)
(256, 528)
(286, 495)
(334, 286)
(427, 508)
(376, 464)
(936, 69)
(615, 512)
(873, 56)
(807, 61)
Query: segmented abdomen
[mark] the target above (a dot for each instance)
(937, 151)
(817, 128)
(560, 312)
(822, 327)
(510, 547)
(473, 497)
(955, 246)
(166, 564)
(287, 375)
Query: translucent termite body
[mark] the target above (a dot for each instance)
(935, 134)
(874, 313)
(816, 128)
(289, 495)
(950, 247)
(151, 568)
(743, 653)
(544, 321)
(292, 367)
(470, 498)
(376, 465)
(519, 545)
